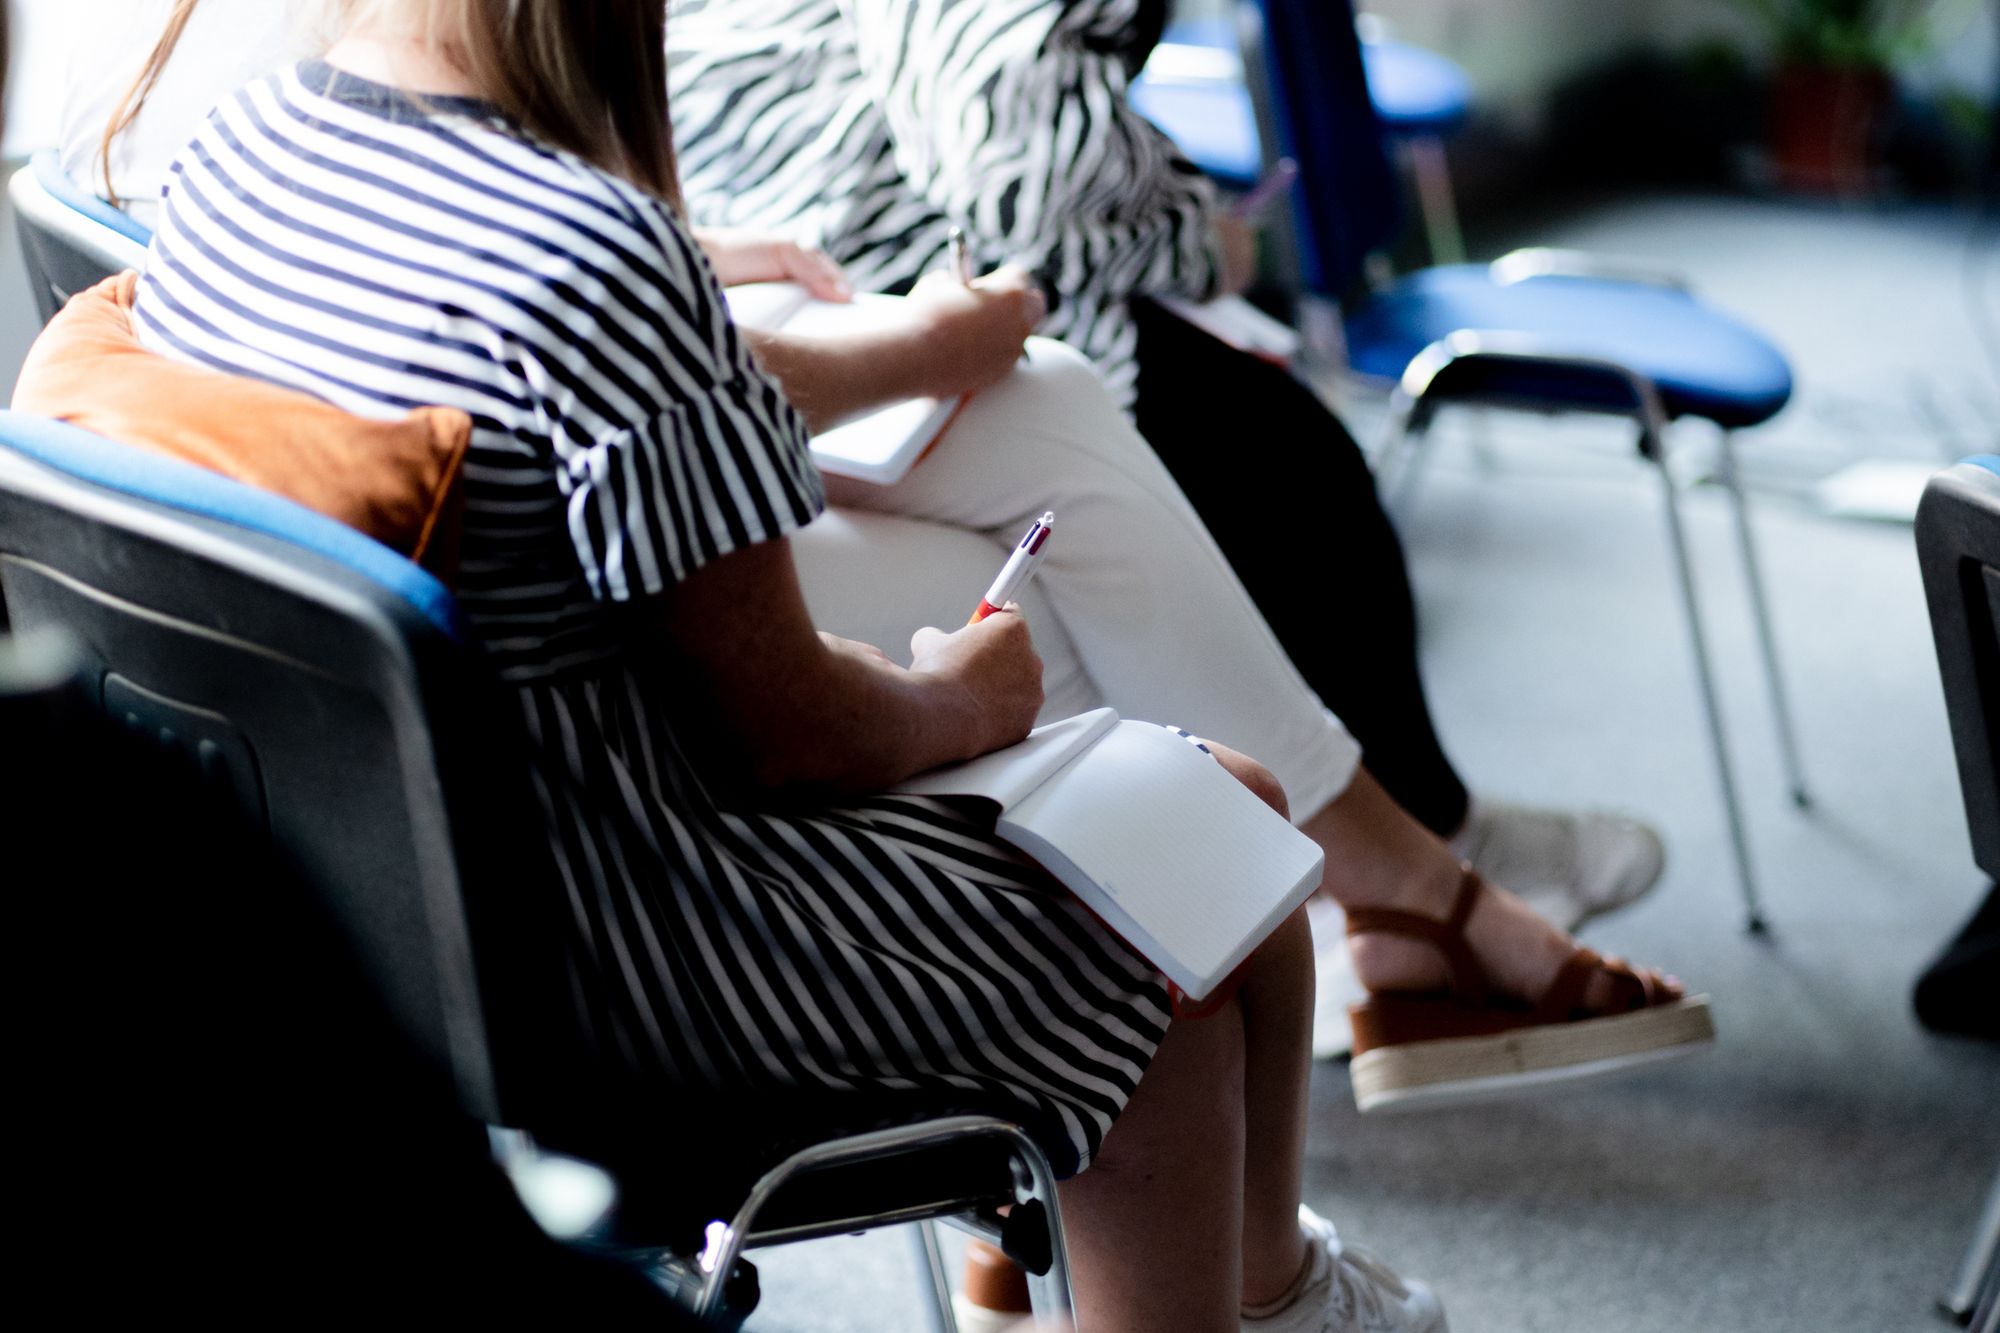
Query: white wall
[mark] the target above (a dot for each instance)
(40, 33)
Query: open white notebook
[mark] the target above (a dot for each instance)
(883, 445)
(1153, 835)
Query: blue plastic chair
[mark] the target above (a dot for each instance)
(69, 237)
(1195, 88)
(1538, 329)
(328, 685)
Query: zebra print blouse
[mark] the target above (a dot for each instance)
(872, 127)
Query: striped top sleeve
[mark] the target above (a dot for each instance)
(450, 261)
(720, 461)
(1010, 117)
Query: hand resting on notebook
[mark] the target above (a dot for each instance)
(947, 339)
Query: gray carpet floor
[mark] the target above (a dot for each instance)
(1821, 1170)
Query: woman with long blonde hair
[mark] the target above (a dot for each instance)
(474, 203)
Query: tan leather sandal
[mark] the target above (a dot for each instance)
(1418, 1049)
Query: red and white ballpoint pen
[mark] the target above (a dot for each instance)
(1020, 567)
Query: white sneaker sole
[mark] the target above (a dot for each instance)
(1454, 1070)
(978, 1319)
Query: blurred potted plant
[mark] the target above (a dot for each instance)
(1834, 85)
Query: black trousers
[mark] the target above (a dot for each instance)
(1289, 498)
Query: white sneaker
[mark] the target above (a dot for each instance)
(1569, 865)
(1348, 1290)
(1334, 984)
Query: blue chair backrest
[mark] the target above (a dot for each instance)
(70, 239)
(321, 678)
(50, 175)
(1958, 546)
(1346, 202)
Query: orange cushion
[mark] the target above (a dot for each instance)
(397, 481)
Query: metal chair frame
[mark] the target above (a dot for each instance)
(1974, 1297)
(1423, 153)
(1035, 1183)
(1424, 389)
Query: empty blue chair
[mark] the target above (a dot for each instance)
(1196, 88)
(1193, 89)
(1422, 99)
(1537, 329)
(69, 237)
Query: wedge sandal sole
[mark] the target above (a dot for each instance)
(1412, 1076)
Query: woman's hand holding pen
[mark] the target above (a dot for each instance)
(970, 335)
(994, 671)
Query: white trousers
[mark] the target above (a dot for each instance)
(1133, 604)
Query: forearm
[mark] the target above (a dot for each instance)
(830, 380)
(867, 725)
(777, 705)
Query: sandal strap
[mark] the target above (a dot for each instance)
(1563, 1000)
(1468, 978)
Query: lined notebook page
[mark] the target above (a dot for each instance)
(1172, 852)
(765, 305)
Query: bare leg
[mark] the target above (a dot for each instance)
(1277, 1003)
(1376, 855)
(1154, 1224)
(1191, 1209)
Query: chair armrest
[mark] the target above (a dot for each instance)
(1547, 262)
(1033, 1180)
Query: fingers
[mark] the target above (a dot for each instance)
(815, 271)
(1034, 307)
(1016, 281)
(1263, 783)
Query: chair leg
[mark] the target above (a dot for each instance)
(1434, 199)
(1399, 462)
(1977, 1276)
(1049, 1293)
(1753, 912)
(938, 1313)
(1781, 711)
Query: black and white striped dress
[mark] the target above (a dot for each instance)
(326, 233)
(872, 127)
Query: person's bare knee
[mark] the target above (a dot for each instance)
(1262, 782)
(1191, 1092)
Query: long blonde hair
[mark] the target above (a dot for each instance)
(134, 101)
(589, 76)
